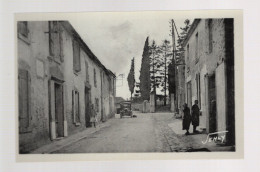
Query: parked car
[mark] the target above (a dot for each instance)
(126, 109)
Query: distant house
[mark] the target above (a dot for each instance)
(137, 92)
(58, 79)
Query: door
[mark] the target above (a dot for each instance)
(59, 118)
(198, 89)
(212, 103)
(87, 107)
(189, 95)
(221, 97)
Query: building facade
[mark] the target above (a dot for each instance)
(58, 79)
(209, 73)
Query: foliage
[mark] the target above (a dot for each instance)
(166, 59)
(145, 72)
(155, 66)
(171, 78)
(180, 54)
(131, 77)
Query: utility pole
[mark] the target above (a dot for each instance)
(165, 82)
(174, 63)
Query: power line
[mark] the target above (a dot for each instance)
(120, 77)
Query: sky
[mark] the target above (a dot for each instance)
(115, 38)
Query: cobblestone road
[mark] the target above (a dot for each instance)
(146, 133)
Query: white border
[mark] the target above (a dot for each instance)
(251, 84)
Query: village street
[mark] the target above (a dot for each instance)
(59, 99)
(149, 132)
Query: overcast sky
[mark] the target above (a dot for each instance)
(115, 38)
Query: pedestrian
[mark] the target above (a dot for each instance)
(195, 112)
(93, 117)
(186, 119)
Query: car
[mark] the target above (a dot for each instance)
(126, 110)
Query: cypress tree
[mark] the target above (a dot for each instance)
(145, 82)
(131, 78)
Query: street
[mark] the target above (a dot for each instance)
(146, 133)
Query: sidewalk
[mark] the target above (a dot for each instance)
(66, 141)
(197, 139)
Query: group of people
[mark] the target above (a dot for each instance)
(192, 117)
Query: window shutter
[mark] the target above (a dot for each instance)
(23, 28)
(77, 106)
(51, 39)
(95, 78)
(76, 56)
(86, 68)
(73, 107)
(210, 34)
(29, 101)
(54, 41)
(61, 45)
(24, 100)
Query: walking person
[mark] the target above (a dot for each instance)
(93, 117)
(195, 113)
(186, 119)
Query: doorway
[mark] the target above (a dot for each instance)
(212, 103)
(87, 107)
(59, 117)
(189, 95)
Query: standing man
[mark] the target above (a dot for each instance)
(195, 115)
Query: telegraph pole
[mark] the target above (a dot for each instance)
(174, 63)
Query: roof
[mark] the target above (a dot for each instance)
(191, 30)
(119, 99)
(84, 46)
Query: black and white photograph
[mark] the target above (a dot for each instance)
(147, 82)
(129, 85)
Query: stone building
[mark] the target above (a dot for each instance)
(58, 78)
(209, 73)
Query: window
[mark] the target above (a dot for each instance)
(55, 41)
(76, 56)
(112, 85)
(95, 78)
(210, 35)
(24, 83)
(23, 28)
(196, 48)
(86, 69)
(76, 107)
(97, 104)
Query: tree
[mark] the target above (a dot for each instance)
(180, 52)
(178, 56)
(171, 78)
(166, 54)
(131, 77)
(155, 66)
(145, 72)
